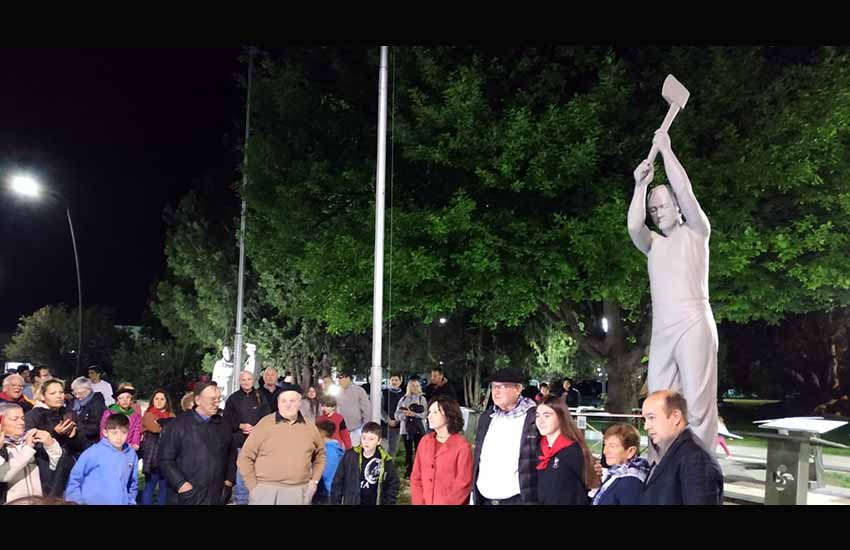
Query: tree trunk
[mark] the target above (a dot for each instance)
(622, 390)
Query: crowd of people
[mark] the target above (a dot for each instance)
(274, 442)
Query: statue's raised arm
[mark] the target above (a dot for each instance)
(695, 218)
(638, 231)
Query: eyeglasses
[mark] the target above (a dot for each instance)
(496, 386)
(16, 385)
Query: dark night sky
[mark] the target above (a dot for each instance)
(121, 133)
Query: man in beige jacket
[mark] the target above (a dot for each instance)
(284, 456)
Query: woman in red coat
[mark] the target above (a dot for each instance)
(442, 470)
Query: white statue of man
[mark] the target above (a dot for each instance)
(223, 371)
(683, 347)
(251, 361)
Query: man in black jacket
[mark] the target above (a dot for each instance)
(197, 453)
(242, 411)
(270, 388)
(389, 425)
(686, 472)
(571, 396)
(507, 445)
(439, 385)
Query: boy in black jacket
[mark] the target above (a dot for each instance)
(367, 475)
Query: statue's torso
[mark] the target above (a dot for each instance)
(678, 276)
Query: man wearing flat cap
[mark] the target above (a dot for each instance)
(506, 445)
(284, 456)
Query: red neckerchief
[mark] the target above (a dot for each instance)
(159, 413)
(561, 443)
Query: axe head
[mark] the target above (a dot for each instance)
(674, 93)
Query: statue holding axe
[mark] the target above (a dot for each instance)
(683, 346)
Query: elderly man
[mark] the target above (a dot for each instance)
(683, 346)
(197, 453)
(243, 410)
(100, 385)
(353, 404)
(270, 390)
(89, 407)
(686, 473)
(13, 392)
(283, 458)
(507, 445)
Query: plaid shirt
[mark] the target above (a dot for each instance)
(521, 408)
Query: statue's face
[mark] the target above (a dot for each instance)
(225, 352)
(663, 209)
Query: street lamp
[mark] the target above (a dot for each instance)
(27, 186)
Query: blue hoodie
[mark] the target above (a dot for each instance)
(104, 475)
(333, 454)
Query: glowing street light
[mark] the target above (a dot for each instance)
(27, 186)
(443, 320)
(605, 325)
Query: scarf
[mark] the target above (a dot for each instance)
(80, 404)
(520, 409)
(116, 408)
(15, 441)
(636, 467)
(159, 413)
(561, 443)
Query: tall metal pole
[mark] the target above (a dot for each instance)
(237, 357)
(79, 293)
(378, 294)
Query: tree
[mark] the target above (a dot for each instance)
(49, 337)
(513, 175)
(150, 364)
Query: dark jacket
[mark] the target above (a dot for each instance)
(389, 403)
(346, 485)
(626, 490)
(89, 418)
(25, 403)
(529, 451)
(561, 483)
(572, 398)
(686, 474)
(202, 453)
(149, 449)
(72, 447)
(271, 397)
(432, 391)
(245, 408)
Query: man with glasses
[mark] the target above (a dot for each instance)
(507, 445)
(683, 347)
(197, 453)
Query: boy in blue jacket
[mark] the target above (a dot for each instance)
(107, 472)
(333, 454)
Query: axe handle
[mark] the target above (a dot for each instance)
(668, 121)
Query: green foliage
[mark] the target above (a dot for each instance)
(49, 337)
(150, 364)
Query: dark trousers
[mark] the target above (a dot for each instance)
(410, 446)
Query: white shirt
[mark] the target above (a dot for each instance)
(104, 388)
(498, 468)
